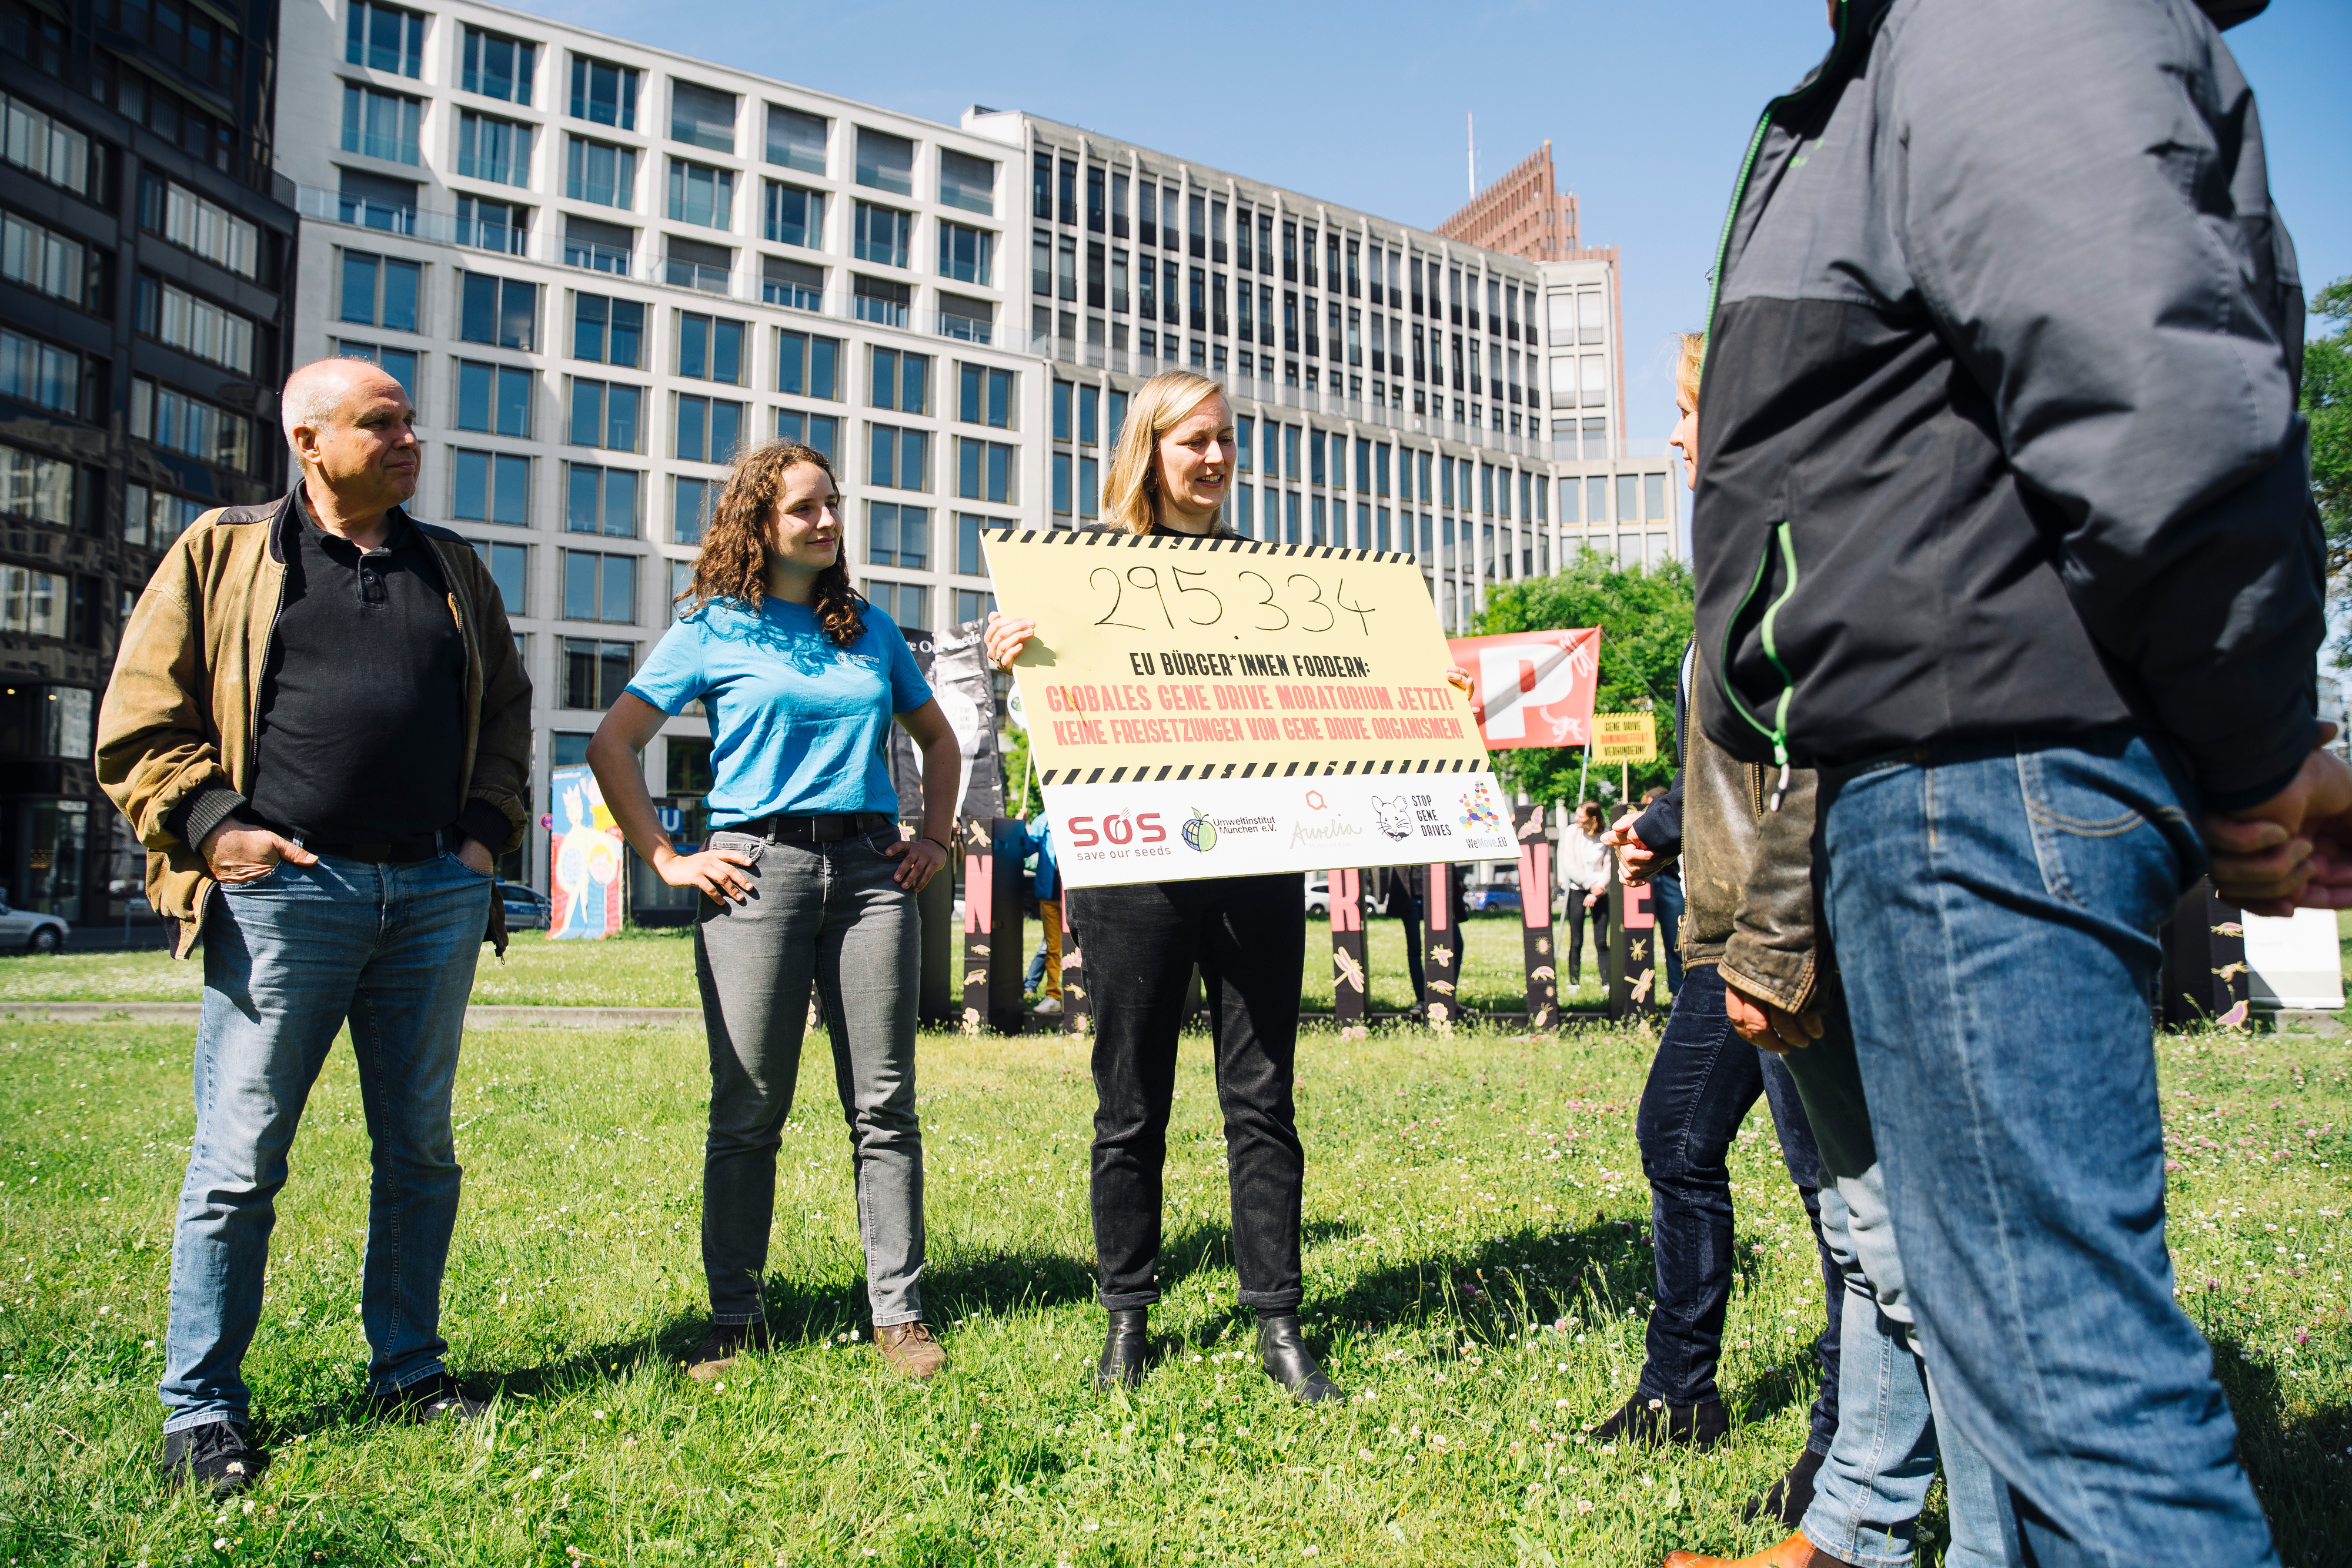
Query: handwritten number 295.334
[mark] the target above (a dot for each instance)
(1203, 607)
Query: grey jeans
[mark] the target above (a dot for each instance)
(829, 915)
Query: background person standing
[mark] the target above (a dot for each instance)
(335, 852)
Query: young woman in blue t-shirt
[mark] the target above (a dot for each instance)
(805, 879)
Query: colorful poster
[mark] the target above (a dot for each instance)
(1537, 685)
(1228, 707)
(584, 857)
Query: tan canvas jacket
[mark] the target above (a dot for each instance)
(181, 707)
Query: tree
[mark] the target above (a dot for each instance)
(2327, 404)
(1645, 617)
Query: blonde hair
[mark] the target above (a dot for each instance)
(1131, 497)
(1688, 365)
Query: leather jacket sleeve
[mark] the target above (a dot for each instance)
(1776, 950)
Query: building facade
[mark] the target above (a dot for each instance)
(145, 250)
(1523, 213)
(600, 267)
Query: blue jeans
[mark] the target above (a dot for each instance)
(1702, 1084)
(1995, 913)
(1666, 899)
(287, 959)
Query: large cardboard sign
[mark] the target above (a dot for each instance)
(1537, 685)
(1229, 707)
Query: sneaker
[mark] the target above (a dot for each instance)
(1051, 1007)
(909, 1348)
(218, 1458)
(715, 1356)
(1642, 1419)
(431, 1399)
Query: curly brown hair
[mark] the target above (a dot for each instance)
(733, 564)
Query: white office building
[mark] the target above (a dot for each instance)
(599, 267)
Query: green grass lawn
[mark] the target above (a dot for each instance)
(1478, 1254)
(654, 968)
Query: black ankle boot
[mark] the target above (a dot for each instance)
(1124, 1348)
(1789, 1496)
(1282, 1351)
(1642, 1419)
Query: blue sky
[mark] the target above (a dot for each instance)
(1648, 107)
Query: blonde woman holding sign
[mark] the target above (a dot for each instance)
(1170, 476)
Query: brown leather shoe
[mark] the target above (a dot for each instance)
(1794, 1553)
(910, 1348)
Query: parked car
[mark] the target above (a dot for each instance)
(1490, 898)
(1318, 893)
(527, 908)
(34, 933)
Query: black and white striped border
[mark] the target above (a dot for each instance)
(1107, 538)
(1145, 773)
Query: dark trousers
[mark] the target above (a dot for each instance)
(1577, 915)
(1248, 935)
(1701, 1086)
(1408, 910)
(1666, 899)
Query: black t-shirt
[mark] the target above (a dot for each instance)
(363, 731)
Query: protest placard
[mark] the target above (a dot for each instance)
(1225, 706)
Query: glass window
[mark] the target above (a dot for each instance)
(900, 381)
(984, 471)
(797, 139)
(604, 93)
(795, 217)
(1590, 325)
(499, 310)
(795, 285)
(50, 148)
(709, 429)
(598, 587)
(43, 488)
(710, 348)
(1653, 498)
(1041, 263)
(965, 254)
(189, 221)
(967, 181)
(897, 459)
(961, 316)
(174, 420)
(494, 399)
(169, 314)
(690, 508)
(808, 365)
(597, 247)
(601, 172)
(822, 430)
(691, 264)
(384, 38)
(610, 331)
(152, 519)
(885, 162)
(700, 194)
(1061, 483)
(380, 291)
(606, 414)
(701, 116)
(497, 66)
(1596, 500)
(380, 124)
(881, 234)
(491, 488)
(595, 674)
(985, 396)
(510, 568)
(599, 500)
(905, 603)
(896, 535)
(881, 301)
(1090, 415)
(500, 226)
(1041, 186)
(1628, 501)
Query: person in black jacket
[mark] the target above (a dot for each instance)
(2004, 526)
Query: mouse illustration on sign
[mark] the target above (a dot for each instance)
(1395, 817)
